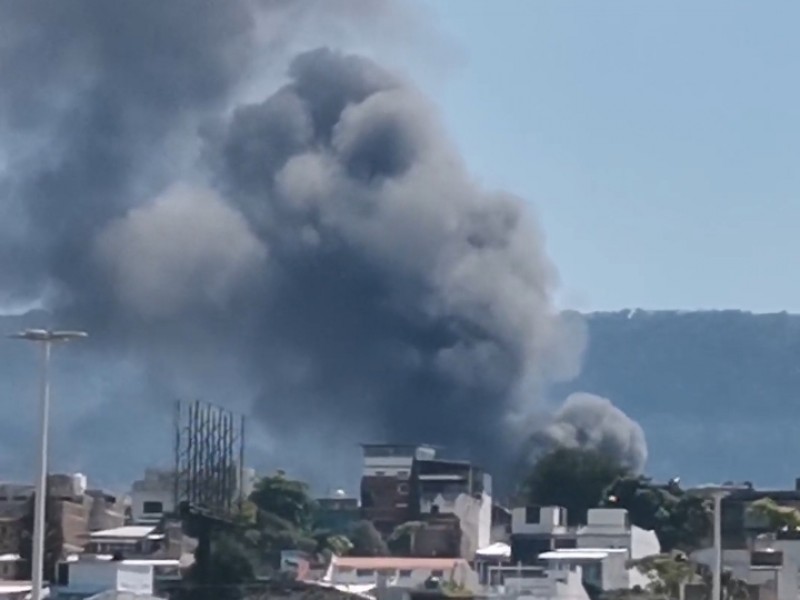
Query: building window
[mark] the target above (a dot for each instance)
(437, 573)
(405, 573)
(380, 473)
(402, 488)
(365, 572)
(533, 514)
(402, 474)
(151, 507)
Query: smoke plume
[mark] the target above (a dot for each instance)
(319, 257)
(592, 422)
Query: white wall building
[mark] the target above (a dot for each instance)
(604, 568)
(94, 576)
(399, 571)
(539, 520)
(535, 583)
(611, 528)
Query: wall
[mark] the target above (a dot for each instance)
(157, 486)
(88, 576)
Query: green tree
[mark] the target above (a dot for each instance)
(681, 521)
(288, 499)
(667, 573)
(54, 539)
(367, 540)
(228, 571)
(775, 516)
(573, 478)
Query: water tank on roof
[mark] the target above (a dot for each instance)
(79, 484)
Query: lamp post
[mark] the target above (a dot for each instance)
(46, 338)
(717, 493)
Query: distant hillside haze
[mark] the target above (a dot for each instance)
(717, 392)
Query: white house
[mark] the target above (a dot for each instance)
(399, 571)
(89, 577)
(611, 528)
(604, 568)
(535, 583)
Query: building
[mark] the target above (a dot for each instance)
(611, 528)
(385, 482)
(401, 572)
(528, 583)
(538, 529)
(454, 495)
(337, 513)
(90, 577)
(17, 590)
(601, 568)
(153, 497)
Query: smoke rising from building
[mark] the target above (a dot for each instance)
(323, 252)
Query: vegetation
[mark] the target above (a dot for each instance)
(366, 540)
(775, 516)
(681, 521)
(573, 478)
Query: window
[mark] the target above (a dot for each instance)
(380, 473)
(365, 572)
(437, 573)
(402, 474)
(151, 507)
(405, 573)
(533, 514)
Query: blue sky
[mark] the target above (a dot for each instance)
(658, 141)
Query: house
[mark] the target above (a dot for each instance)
(404, 572)
(93, 576)
(337, 513)
(385, 482)
(771, 568)
(455, 497)
(537, 529)
(601, 568)
(611, 528)
(528, 582)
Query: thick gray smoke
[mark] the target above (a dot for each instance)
(322, 252)
(592, 422)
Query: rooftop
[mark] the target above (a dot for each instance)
(397, 562)
(127, 532)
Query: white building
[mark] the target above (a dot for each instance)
(539, 520)
(604, 568)
(611, 528)
(399, 571)
(773, 567)
(535, 583)
(90, 577)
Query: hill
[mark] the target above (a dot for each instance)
(717, 392)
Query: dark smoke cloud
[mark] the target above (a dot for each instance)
(592, 422)
(320, 257)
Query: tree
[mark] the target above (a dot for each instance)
(285, 498)
(228, 571)
(366, 540)
(573, 478)
(667, 573)
(54, 538)
(681, 521)
(775, 516)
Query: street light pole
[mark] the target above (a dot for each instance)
(717, 493)
(46, 338)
